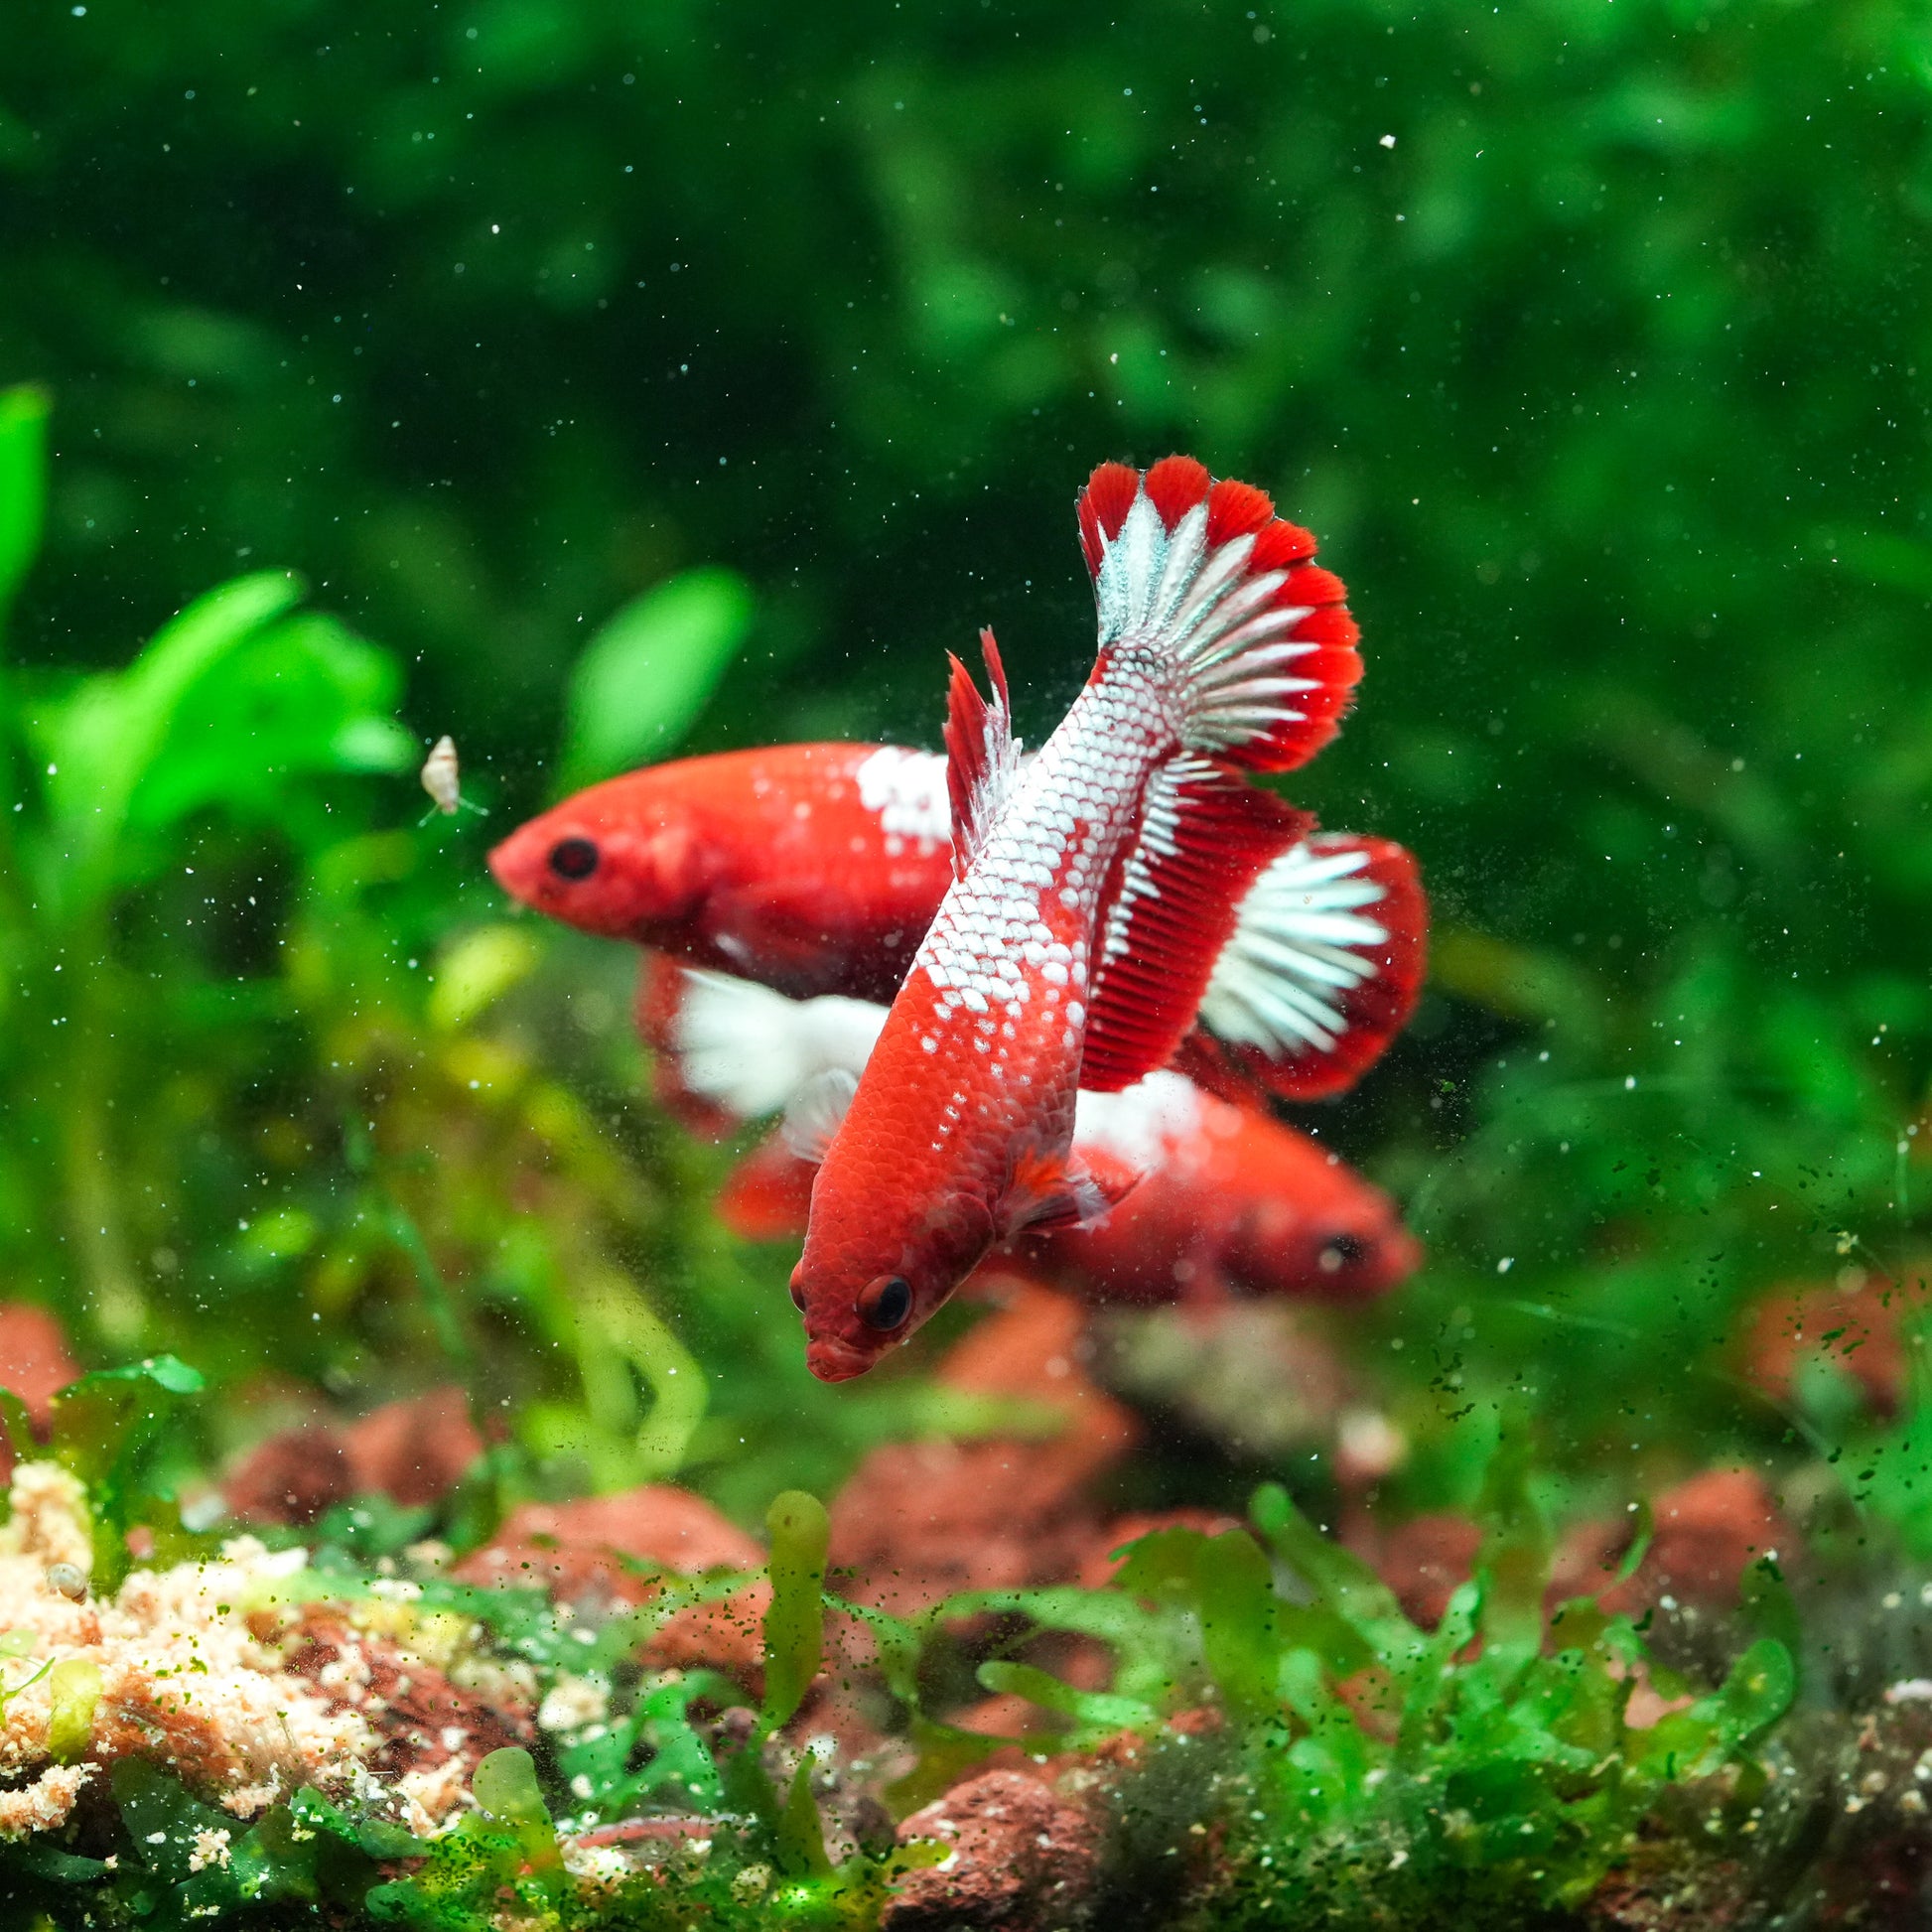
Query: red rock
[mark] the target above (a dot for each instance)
(421, 1719)
(34, 1359)
(1866, 1317)
(578, 1552)
(919, 1521)
(415, 1450)
(1098, 1560)
(1708, 1529)
(1023, 1860)
(1423, 1559)
(292, 1476)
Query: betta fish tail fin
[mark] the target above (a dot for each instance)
(1205, 579)
(1321, 971)
(740, 1051)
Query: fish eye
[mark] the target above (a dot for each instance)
(797, 1296)
(1341, 1251)
(573, 858)
(884, 1304)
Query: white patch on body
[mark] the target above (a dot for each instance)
(908, 789)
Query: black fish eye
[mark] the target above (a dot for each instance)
(799, 1298)
(885, 1302)
(573, 858)
(1342, 1251)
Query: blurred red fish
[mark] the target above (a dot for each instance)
(811, 868)
(1230, 1200)
(817, 869)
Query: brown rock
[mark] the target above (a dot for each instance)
(1021, 1859)
(1423, 1560)
(1708, 1529)
(1858, 1323)
(414, 1450)
(34, 1359)
(919, 1521)
(588, 1550)
(292, 1476)
(422, 1718)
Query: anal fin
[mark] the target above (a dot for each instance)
(1050, 1192)
(1206, 835)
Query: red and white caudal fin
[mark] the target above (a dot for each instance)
(1204, 576)
(1321, 971)
(982, 755)
(1205, 837)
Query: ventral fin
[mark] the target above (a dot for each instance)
(982, 756)
(1203, 839)
(1052, 1190)
(1322, 969)
(817, 1112)
(768, 1195)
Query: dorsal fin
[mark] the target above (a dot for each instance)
(982, 756)
(1205, 837)
(1322, 969)
(1257, 642)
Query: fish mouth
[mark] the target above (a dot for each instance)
(832, 1360)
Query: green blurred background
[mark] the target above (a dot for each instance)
(1586, 334)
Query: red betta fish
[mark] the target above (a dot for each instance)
(771, 866)
(1092, 893)
(1230, 1201)
(813, 868)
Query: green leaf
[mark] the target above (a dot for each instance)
(1092, 1709)
(795, 1625)
(1771, 1610)
(300, 697)
(799, 1835)
(1513, 1564)
(23, 486)
(73, 1690)
(104, 741)
(642, 680)
(102, 1428)
(1341, 1581)
(1225, 1581)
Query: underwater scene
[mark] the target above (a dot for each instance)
(966, 967)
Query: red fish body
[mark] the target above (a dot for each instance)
(812, 867)
(1092, 893)
(1229, 1201)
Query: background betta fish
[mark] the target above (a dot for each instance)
(1229, 1201)
(816, 869)
(812, 867)
(1093, 891)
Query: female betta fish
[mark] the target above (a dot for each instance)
(811, 868)
(1092, 893)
